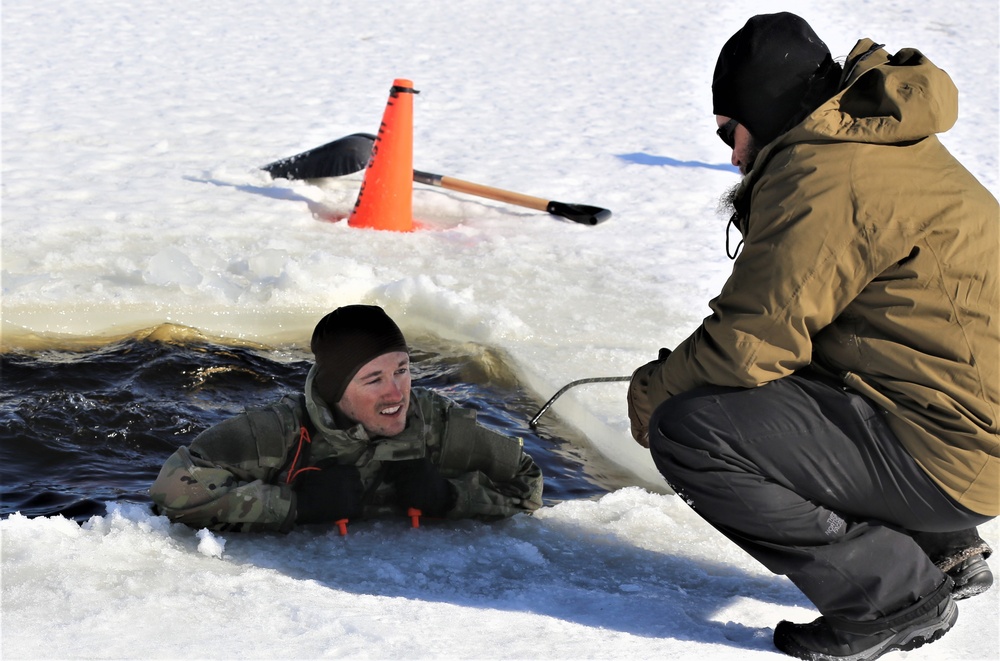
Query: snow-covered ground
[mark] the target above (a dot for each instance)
(131, 139)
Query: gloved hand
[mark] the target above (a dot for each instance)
(329, 494)
(640, 408)
(419, 484)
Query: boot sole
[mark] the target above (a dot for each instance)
(904, 641)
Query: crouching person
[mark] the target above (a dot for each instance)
(358, 443)
(836, 416)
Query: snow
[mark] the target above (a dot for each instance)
(132, 137)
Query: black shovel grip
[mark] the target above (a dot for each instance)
(579, 213)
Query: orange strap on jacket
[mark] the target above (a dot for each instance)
(292, 473)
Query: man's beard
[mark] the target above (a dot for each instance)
(727, 201)
(752, 152)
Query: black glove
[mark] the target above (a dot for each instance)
(332, 493)
(419, 484)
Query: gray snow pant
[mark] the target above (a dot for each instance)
(806, 476)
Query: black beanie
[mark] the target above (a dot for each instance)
(766, 75)
(345, 340)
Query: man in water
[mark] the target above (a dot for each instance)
(359, 442)
(836, 415)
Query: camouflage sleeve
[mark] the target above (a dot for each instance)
(493, 476)
(480, 497)
(227, 478)
(195, 492)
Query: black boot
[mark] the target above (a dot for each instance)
(829, 639)
(972, 576)
(962, 556)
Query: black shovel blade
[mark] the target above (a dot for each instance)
(579, 213)
(334, 159)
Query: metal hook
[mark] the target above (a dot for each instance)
(596, 379)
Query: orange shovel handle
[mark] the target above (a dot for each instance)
(578, 213)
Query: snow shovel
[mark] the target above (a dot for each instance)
(351, 153)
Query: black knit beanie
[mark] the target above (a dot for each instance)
(345, 340)
(771, 73)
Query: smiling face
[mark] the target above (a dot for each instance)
(379, 394)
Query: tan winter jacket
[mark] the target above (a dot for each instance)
(869, 252)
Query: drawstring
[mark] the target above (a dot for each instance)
(292, 473)
(732, 254)
(854, 65)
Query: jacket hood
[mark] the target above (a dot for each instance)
(885, 99)
(346, 442)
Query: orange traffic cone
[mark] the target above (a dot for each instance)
(385, 201)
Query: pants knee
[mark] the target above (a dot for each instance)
(685, 434)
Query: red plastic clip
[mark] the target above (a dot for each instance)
(341, 526)
(414, 515)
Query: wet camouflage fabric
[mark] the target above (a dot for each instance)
(235, 476)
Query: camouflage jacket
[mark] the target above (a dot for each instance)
(239, 474)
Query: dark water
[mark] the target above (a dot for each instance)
(79, 429)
